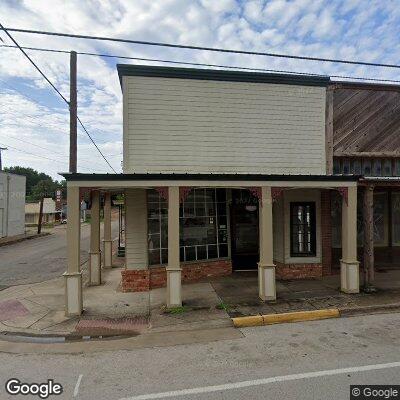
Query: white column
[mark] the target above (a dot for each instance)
(73, 275)
(174, 289)
(266, 266)
(349, 266)
(95, 255)
(107, 242)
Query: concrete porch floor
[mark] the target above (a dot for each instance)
(239, 292)
(38, 309)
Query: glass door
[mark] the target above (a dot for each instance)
(244, 223)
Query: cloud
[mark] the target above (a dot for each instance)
(339, 29)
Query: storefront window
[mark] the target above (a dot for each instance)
(336, 212)
(380, 214)
(157, 221)
(203, 226)
(396, 218)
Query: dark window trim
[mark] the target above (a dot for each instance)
(313, 251)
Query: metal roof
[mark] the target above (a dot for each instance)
(207, 177)
(220, 75)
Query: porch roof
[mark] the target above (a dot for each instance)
(204, 180)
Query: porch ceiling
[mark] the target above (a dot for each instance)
(115, 181)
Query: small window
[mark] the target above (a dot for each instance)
(336, 166)
(387, 167)
(302, 229)
(377, 168)
(397, 168)
(346, 167)
(367, 167)
(357, 167)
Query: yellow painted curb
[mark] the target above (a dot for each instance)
(258, 320)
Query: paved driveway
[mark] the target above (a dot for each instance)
(39, 259)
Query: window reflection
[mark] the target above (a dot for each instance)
(203, 226)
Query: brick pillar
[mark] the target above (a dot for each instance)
(326, 232)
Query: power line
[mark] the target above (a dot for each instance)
(34, 117)
(33, 63)
(60, 94)
(54, 152)
(203, 48)
(39, 156)
(361, 78)
(105, 159)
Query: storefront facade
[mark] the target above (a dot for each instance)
(222, 171)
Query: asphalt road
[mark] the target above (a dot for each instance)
(309, 360)
(43, 258)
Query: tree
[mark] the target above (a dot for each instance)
(38, 184)
(33, 177)
(44, 188)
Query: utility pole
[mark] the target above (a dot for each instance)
(39, 227)
(1, 164)
(73, 115)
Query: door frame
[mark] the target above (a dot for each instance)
(234, 256)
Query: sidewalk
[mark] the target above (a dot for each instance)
(38, 309)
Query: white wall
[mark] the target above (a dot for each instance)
(202, 126)
(12, 204)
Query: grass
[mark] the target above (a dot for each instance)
(222, 306)
(177, 310)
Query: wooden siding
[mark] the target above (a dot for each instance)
(182, 125)
(366, 120)
(136, 256)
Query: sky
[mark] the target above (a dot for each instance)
(34, 121)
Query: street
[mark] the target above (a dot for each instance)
(40, 259)
(265, 363)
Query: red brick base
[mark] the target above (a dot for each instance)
(135, 280)
(156, 277)
(297, 271)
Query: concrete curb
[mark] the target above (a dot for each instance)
(22, 239)
(363, 310)
(298, 316)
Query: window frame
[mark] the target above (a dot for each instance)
(313, 228)
(220, 213)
